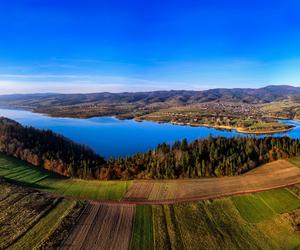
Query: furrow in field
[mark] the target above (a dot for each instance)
(78, 236)
(124, 227)
(273, 175)
(140, 190)
(95, 229)
(110, 228)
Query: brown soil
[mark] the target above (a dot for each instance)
(273, 175)
(102, 226)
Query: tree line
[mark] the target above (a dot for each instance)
(214, 156)
(48, 150)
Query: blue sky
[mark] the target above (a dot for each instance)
(89, 46)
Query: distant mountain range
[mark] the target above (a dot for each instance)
(246, 95)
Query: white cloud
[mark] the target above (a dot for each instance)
(11, 84)
(161, 76)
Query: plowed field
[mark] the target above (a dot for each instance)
(276, 174)
(102, 226)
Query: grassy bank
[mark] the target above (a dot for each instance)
(24, 174)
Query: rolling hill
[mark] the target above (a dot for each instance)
(260, 95)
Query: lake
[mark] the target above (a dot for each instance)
(109, 136)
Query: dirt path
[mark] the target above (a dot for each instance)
(273, 175)
(102, 226)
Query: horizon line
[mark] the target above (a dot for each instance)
(162, 90)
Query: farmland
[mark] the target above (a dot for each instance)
(277, 174)
(24, 214)
(102, 226)
(262, 206)
(261, 220)
(272, 175)
(27, 175)
(142, 236)
(215, 224)
(295, 161)
(220, 224)
(265, 220)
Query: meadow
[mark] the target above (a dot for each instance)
(27, 175)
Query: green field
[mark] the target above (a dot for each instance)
(28, 218)
(281, 201)
(211, 225)
(28, 175)
(262, 206)
(295, 161)
(266, 220)
(252, 208)
(45, 226)
(142, 236)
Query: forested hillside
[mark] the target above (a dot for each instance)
(208, 157)
(48, 150)
(132, 105)
(247, 95)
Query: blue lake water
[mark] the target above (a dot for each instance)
(109, 136)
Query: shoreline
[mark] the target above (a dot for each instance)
(237, 129)
(266, 132)
(138, 119)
